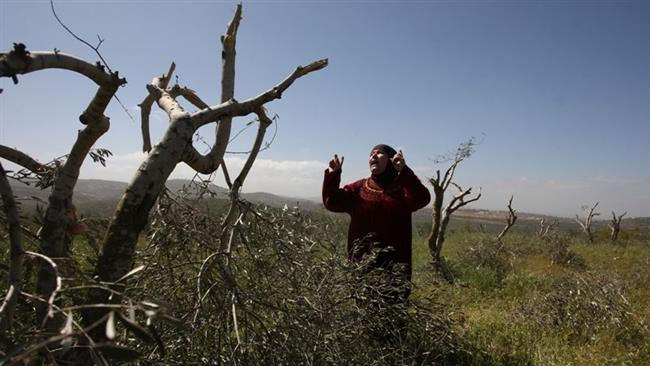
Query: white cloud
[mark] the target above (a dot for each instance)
(303, 178)
(295, 178)
(118, 167)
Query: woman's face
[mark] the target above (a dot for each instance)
(378, 161)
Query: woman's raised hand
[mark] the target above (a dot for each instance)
(336, 163)
(398, 161)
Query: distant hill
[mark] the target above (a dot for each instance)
(100, 197)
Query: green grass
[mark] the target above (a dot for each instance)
(518, 306)
(497, 310)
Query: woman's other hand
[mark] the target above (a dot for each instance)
(398, 161)
(336, 164)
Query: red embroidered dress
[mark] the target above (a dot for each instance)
(385, 213)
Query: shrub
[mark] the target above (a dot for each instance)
(483, 265)
(557, 248)
(584, 306)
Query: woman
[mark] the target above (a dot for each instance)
(380, 206)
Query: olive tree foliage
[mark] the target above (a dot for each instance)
(287, 295)
(101, 297)
(441, 215)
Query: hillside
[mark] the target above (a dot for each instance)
(99, 198)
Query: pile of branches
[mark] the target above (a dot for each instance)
(283, 294)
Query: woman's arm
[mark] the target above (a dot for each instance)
(334, 198)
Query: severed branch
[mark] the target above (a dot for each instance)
(165, 101)
(17, 255)
(459, 199)
(265, 122)
(210, 162)
(226, 175)
(236, 109)
(20, 61)
(229, 220)
(586, 225)
(145, 106)
(511, 218)
(189, 95)
(449, 175)
(20, 158)
(229, 224)
(615, 225)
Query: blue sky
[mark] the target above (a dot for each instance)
(559, 92)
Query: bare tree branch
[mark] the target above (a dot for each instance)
(234, 108)
(459, 199)
(145, 106)
(228, 222)
(586, 225)
(265, 121)
(211, 162)
(226, 175)
(511, 218)
(189, 95)
(59, 217)
(21, 61)
(94, 48)
(165, 101)
(440, 216)
(544, 228)
(20, 158)
(57, 287)
(615, 225)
